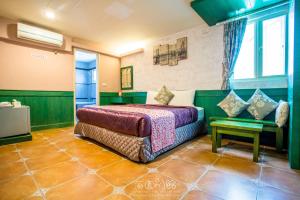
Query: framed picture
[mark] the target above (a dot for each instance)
(127, 78)
(156, 55)
(173, 60)
(164, 54)
(181, 46)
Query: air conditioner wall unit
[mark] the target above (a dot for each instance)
(40, 35)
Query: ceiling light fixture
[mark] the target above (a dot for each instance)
(50, 14)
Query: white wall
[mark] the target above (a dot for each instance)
(201, 70)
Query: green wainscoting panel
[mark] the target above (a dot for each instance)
(128, 97)
(105, 97)
(48, 109)
(136, 97)
(294, 85)
(214, 11)
(208, 99)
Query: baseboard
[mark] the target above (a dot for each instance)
(15, 139)
(48, 126)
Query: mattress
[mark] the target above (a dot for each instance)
(139, 148)
(133, 119)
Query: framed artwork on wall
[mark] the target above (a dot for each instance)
(182, 48)
(170, 54)
(127, 78)
(164, 54)
(156, 55)
(173, 60)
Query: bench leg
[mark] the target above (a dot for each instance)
(214, 139)
(279, 139)
(256, 147)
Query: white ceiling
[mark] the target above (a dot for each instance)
(115, 24)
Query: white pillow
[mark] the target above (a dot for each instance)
(150, 97)
(183, 98)
(282, 113)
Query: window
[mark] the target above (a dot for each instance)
(263, 51)
(94, 76)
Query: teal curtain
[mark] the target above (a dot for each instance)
(233, 37)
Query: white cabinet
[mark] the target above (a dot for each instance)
(14, 121)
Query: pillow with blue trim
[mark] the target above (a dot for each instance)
(261, 105)
(233, 105)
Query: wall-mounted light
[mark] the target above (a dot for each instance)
(129, 48)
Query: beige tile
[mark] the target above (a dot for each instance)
(47, 160)
(18, 188)
(123, 172)
(228, 186)
(59, 173)
(281, 179)
(11, 169)
(32, 144)
(158, 161)
(35, 198)
(38, 151)
(155, 186)
(117, 197)
(238, 166)
(182, 170)
(9, 157)
(84, 150)
(200, 195)
(269, 193)
(88, 187)
(99, 159)
(239, 150)
(279, 161)
(7, 149)
(200, 156)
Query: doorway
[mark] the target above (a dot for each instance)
(86, 78)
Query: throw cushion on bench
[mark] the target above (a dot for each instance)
(261, 105)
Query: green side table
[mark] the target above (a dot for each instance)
(242, 129)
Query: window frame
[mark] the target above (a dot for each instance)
(258, 19)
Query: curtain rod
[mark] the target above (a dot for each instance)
(247, 15)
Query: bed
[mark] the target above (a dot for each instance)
(140, 132)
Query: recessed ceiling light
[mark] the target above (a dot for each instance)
(50, 14)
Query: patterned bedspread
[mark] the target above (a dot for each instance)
(158, 122)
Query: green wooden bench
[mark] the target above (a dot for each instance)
(268, 126)
(242, 129)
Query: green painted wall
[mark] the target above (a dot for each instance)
(48, 109)
(294, 85)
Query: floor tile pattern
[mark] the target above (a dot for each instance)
(57, 164)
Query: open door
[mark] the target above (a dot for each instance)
(86, 79)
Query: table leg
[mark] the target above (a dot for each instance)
(256, 147)
(214, 139)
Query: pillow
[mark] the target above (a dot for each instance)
(261, 105)
(233, 105)
(164, 96)
(150, 97)
(282, 113)
(183, 98)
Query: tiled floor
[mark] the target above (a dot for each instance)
(59, 165)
